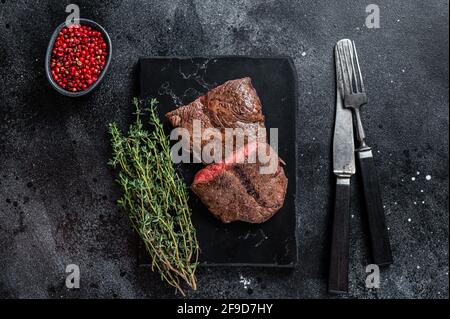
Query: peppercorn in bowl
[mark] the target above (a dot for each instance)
(78, 57)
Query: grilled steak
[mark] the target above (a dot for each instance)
(239, 191)
(233, 104)
(234, 188)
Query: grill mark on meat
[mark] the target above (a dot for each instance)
(248, 185)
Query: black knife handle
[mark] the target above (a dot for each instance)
(379, 237)
(338, 275)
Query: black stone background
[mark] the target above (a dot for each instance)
(57, 194)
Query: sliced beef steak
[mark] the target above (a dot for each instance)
(240, 191)
(235, 188)
(234, 104)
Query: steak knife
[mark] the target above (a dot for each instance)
(344, 169)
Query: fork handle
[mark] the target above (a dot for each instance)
(379, 237)
(338, 275)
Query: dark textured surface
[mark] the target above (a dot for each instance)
(57, 195)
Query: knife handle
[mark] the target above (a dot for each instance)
(379, 237)
(338, 275)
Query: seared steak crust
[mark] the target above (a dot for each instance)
(234, 104)
(240, 192)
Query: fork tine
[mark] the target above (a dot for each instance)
(359, 68)
(340, 68)
(347, 64)
(355, 76)
(345, 69)
(343, 72)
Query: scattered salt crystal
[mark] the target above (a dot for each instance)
(421, 190)
(428, 177)
(244, 281)
(417, 173)
(303, 53)
(413, 178)
(415, 203)
(353, 216)
(418, 267)
(409, 220)
(423, 202)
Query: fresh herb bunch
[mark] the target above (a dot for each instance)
(155, 197)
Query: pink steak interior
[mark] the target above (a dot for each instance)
(211, 171)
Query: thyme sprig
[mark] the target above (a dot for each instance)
(155, 197)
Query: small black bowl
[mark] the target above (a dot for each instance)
(48, 57)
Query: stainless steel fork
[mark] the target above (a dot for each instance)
(354, 97)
